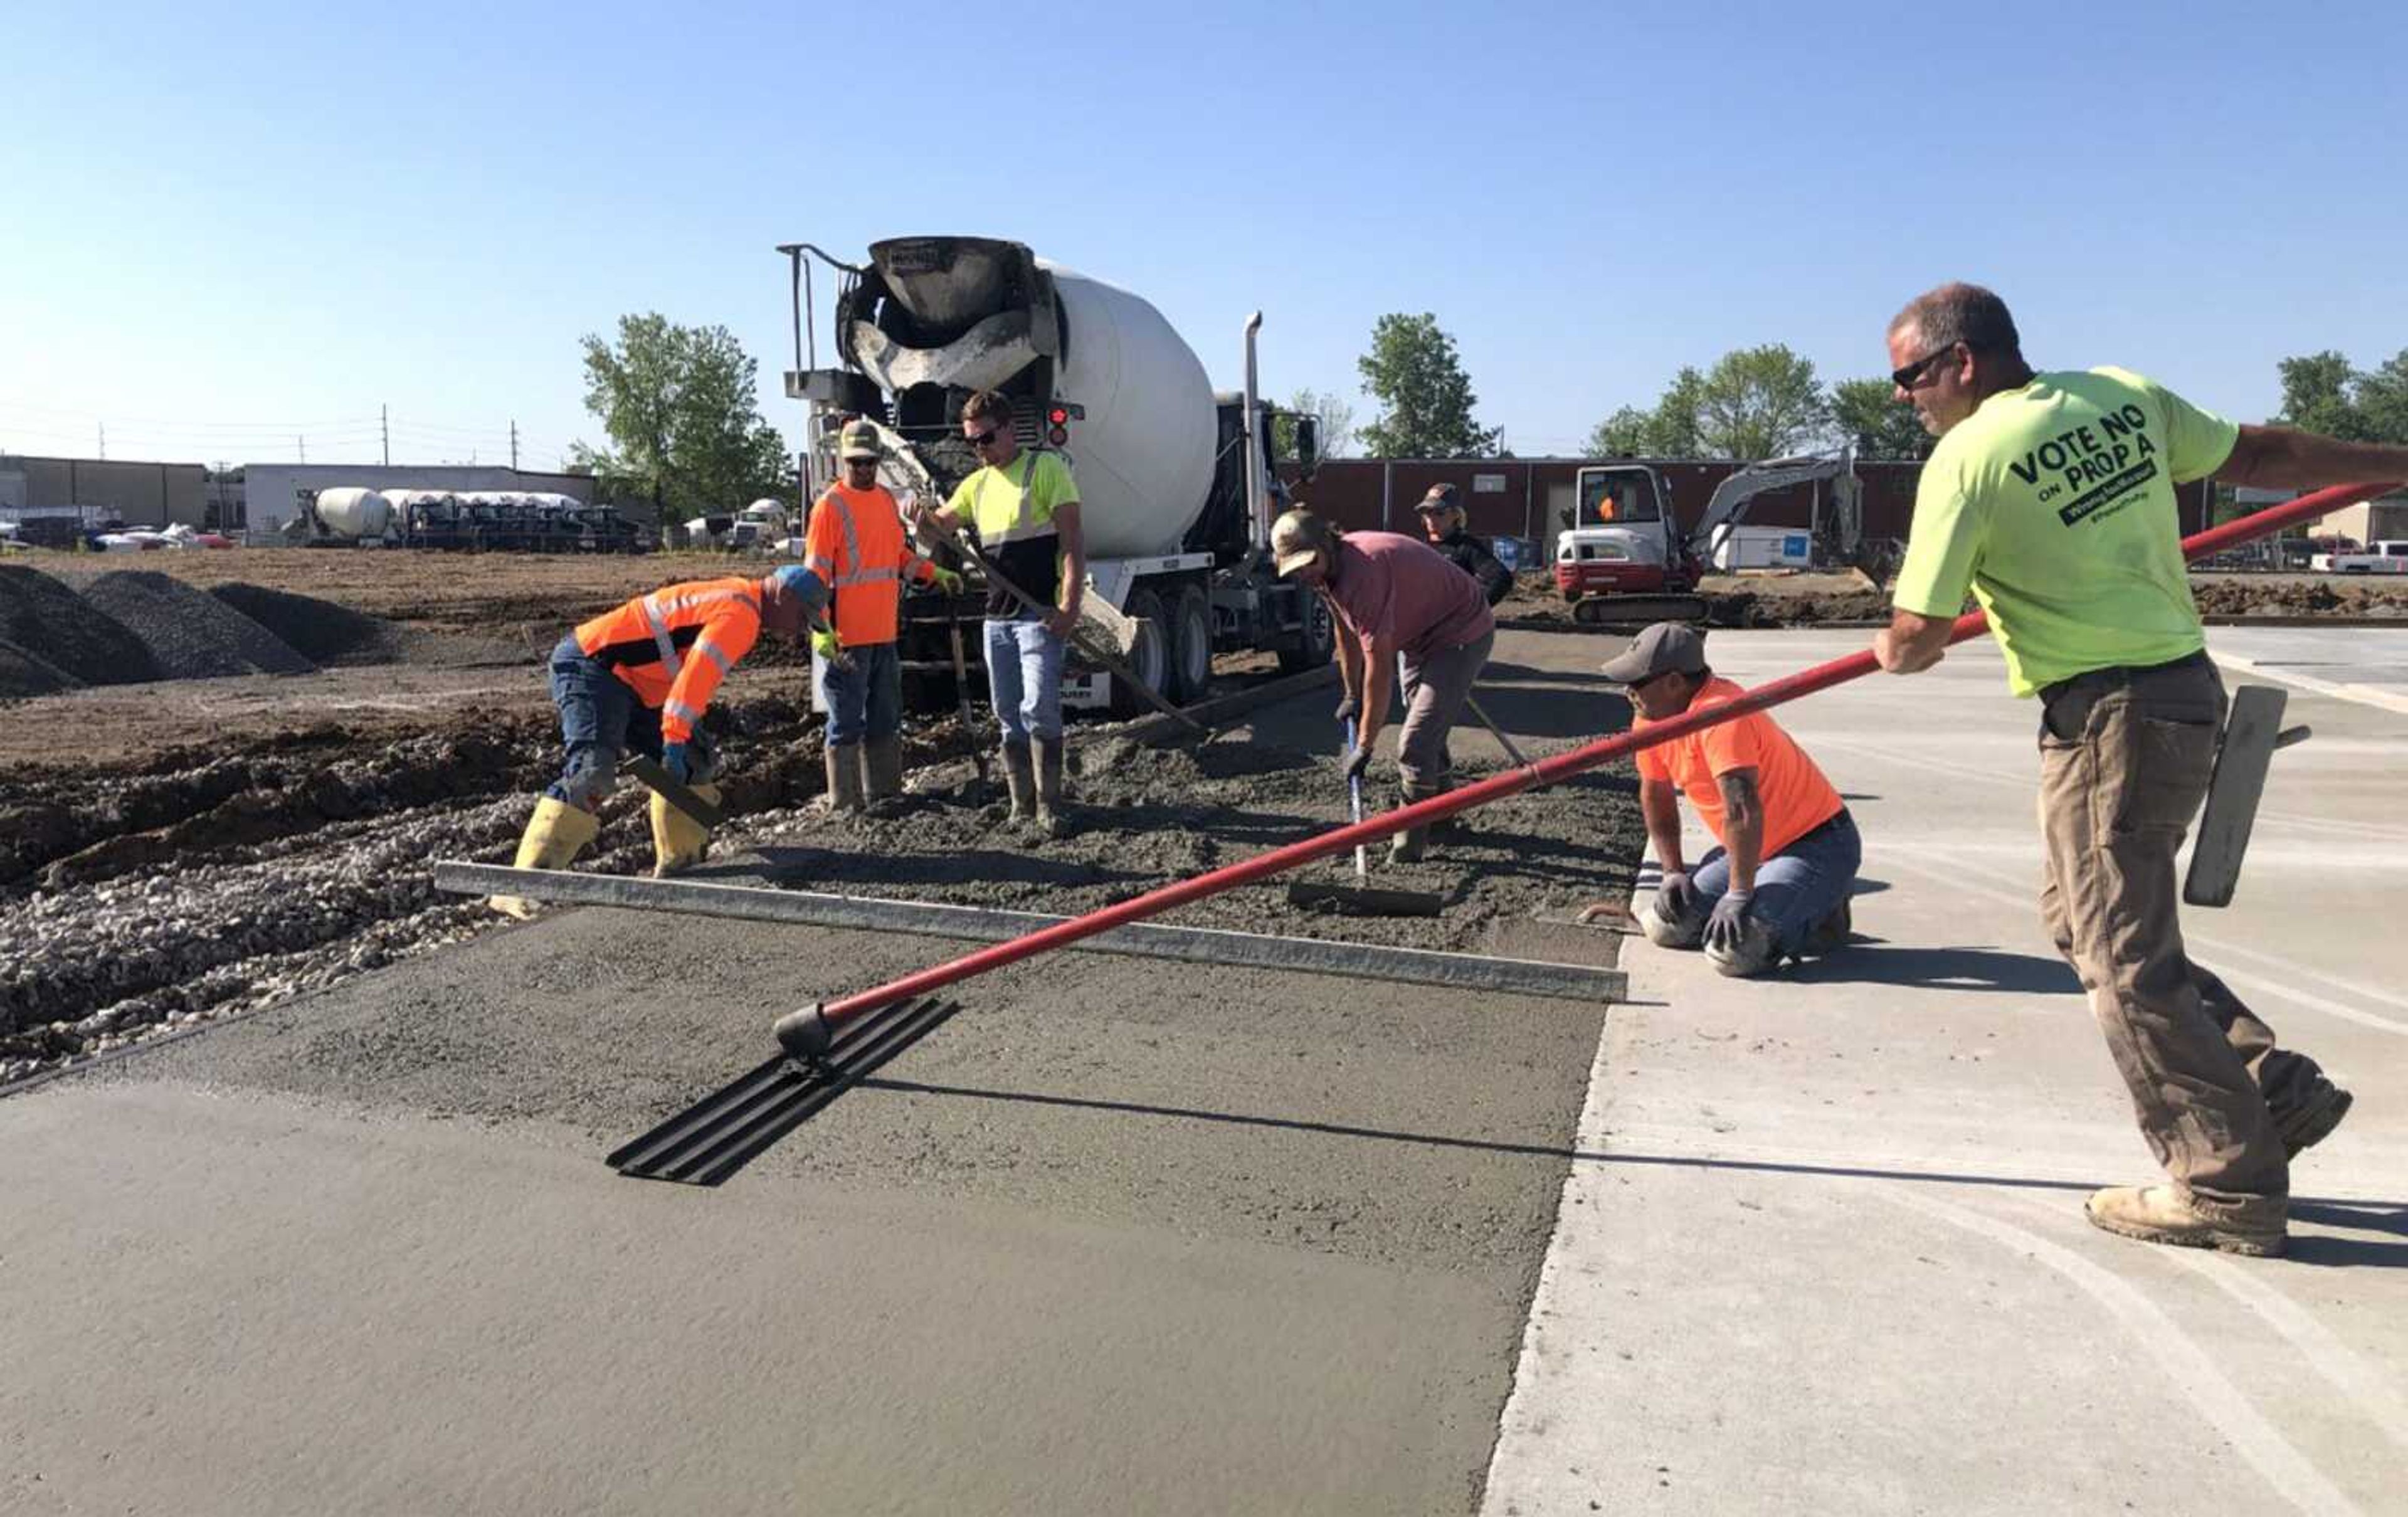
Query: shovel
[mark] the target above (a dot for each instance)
(961, 696)
(1362, 898)
(1116, 667)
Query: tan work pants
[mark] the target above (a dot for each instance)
(1434, 689)
(2124, 761)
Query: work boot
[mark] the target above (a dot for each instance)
(2313, 1120)
(1052, 817)
(2164, 1214)
(1454, 829)
(1019, 777)
(554, 836)
(881, 768)
(1830, 934)
(843, 777)
(1407, 846)
(679, 842)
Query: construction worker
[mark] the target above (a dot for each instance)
(1394, 598)
(2051, 497)
(1777, 886)
(640, 678)
(1024, 507)
(1442, 524)
(856, 544)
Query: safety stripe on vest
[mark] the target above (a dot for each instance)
(864, 577)
(713, 652)
(683, 712)
(1019, 530)
(670, 664)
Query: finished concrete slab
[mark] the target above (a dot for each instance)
(1824, 1248)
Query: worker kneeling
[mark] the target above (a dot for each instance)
(1778, 887)
(640, 678)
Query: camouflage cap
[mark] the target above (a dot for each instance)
(859, 439)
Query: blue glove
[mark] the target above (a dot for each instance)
(674, 760)
(1728, 920)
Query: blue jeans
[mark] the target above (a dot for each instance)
(1023, 669)
(866, 700)
(1796, 888)
(600, 718)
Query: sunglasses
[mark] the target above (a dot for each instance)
(982, 439)
(1911, 376)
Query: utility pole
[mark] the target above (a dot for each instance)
(514, 444)
(384, 427)
(104, 440)
(302, 444)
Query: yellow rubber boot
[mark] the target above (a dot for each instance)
(554, 836)
(679, 842)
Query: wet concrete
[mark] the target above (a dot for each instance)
(1119, 1236)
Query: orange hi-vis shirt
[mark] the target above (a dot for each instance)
(856, 543)
(1796, 798)
(673, 646)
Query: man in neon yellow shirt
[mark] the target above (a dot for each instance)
(2051, 498)
(1025, 508)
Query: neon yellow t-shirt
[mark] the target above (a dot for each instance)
(2054, 505)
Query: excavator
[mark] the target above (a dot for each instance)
(1625, 561)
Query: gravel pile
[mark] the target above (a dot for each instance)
(317, 629)
(191, 635)
(74, 639)
(23, 675)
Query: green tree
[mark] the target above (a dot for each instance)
(2317, 395)
(1335, 432)
(2383, 400)
(1868, 413)
(1760, 403)
(679, 405)
(1670, 430)
(1426, 399)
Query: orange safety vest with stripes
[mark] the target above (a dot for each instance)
(855, 542)
(673, 646)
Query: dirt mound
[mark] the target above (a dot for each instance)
(191, 635)
(48, 622)
(317, 629)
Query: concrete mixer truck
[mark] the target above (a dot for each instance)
(1178, 485)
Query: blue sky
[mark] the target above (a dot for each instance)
(227, 225)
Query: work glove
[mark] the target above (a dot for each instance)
(674, 759)
(1349, 708)
(1728, 920)
(1357, 763)
(1675, 896)
(950, 581)
(828, 645)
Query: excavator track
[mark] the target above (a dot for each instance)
(1630, 612)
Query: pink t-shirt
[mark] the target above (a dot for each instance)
(1389, 585)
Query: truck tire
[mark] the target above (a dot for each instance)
(1150, 659)
(1191, 644)
(1320, 644)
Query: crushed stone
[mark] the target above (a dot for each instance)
(190, 634)
(46, 622)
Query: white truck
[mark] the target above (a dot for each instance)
(1178, 486)
(2390, 556)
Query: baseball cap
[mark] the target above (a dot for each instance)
(859, 439)
(1297, 536)
(795, 581)
(1441, 497)
(1666, 647)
